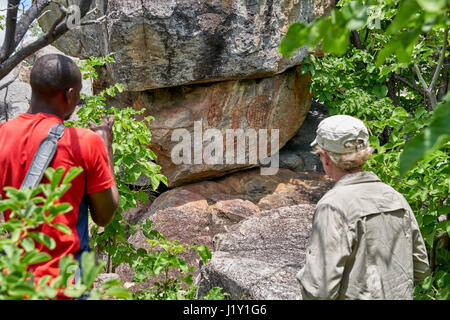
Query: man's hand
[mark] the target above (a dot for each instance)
(103, 204)
(104, 130)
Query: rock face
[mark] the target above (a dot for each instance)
(166, 43)
(15, 93)
(196, 213)
(259, 258)
(279, 102)
(213, 62)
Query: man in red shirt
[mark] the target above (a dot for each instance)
(56, 84)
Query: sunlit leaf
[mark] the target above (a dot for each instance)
(406, 10)
(63, 228)
(34, 257)
(435, 6)
(44, 239)
(296, 37)
(204, 253)
(120, 293)
(432, 138)
(72, 174)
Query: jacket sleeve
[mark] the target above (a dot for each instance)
(420, 256)
(326, 255)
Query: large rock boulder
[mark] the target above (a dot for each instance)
(259, 258)
(279, 102)
(196, 213)
(213, 61)
(168, 43)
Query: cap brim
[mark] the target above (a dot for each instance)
(314, 143)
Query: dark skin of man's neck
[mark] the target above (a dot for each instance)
(51, 107)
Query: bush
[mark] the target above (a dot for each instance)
(30, 209)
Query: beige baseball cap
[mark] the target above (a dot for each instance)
(335, 131)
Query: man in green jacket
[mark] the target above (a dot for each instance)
(365, 241)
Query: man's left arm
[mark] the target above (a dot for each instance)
(101, 187)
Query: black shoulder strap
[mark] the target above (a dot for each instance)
(43, 156)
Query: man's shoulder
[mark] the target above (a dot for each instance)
(358, 189)
(357, 200)
(332, 196)
(12, 123)
(86, 135)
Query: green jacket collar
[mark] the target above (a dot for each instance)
(357, 177)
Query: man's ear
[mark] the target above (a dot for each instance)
(68, 95)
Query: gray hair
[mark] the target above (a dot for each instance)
(348, 161)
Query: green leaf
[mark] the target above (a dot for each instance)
(57, 210)
(90, 268)
(336, 41)
(374, 142)
(56, 177)
(407, 42)
(120, 293)
(34, 257)
(27, 244)
(427, 219)
(63, 228)
(204, 253)
(44, 280)
(380, 91)
(355, 14)
(75, 291)
(406, 10)
(15, 194)
(426, 284)
(72, 174)
(111, 283)
(188, 279)
(119, 87)
(44, 239)
(445, 209)
(181, 264)
(160, 263)
(68, 267)
(317, 31)
(444, 225)
(435, 6)
(401, 45)
(35, 192)
(141, 196)
(296, 37)
(21, 290)
(431, 139)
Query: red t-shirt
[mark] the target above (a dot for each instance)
(19, 140)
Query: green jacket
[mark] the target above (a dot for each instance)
(365, 243)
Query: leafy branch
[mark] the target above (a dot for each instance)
(29, 210)
(430, 90)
